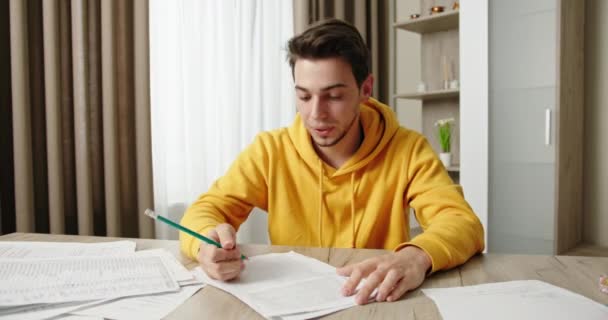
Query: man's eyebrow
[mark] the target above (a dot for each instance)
(333, 86)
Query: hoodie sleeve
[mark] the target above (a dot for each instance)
(452, 231)
(231, 198)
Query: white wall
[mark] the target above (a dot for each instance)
(407, 65)
(474, 105)
(595, 229)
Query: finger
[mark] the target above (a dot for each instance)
(222, 271)
(346, 270)
(353, 281)
(388, 285)
(212, 234)
(226, 235)
(402, 287)
(216, 254)
(368, 287)
(229, 270)
(366, 268)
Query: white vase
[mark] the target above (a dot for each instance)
(446, 159)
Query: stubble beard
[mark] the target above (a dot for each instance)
(331, 143)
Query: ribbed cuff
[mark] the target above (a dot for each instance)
(193, 244)
(431, 248)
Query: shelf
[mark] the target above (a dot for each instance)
(430, 95)
(433, 23)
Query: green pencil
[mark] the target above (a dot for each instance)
(150, 213)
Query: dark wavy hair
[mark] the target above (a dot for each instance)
(328, 39)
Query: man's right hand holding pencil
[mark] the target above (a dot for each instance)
(223, 263)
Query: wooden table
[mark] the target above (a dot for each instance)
(578, 274)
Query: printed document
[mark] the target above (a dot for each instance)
(30, 281)
(32, 249)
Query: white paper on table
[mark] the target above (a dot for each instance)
(527, 299)
(275, 269)
(177, 270)
(198, 277)
(44, 311)
(155, 306)
(289, 278)
(34, 249)
(308, 315)
(77, 317)
(29, 281)
(302, 296)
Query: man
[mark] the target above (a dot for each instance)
(342, 175)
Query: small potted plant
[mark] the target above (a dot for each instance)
(444, 134)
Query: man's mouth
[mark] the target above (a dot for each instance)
(324, 131)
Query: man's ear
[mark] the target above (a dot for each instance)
(367, 87)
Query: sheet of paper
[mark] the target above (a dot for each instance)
(30, 281)
(32, 249)
(280, 284)
(309, 315)
(177, 270)
(275, 269)
(155, 306)
(302, 296)
(522, 300)
(43, 311)
(77, 317)
(198, 277)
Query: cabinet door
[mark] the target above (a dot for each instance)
(522, 75)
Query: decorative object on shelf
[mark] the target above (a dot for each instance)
(456, 5)
(414, 16)
(421, 87)
(454, 84)
(446, 72)
(436, 9)
(444, 133)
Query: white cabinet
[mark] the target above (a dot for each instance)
(535, 53)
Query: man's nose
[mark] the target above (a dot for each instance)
(319, 108)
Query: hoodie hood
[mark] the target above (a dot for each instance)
(379, 126)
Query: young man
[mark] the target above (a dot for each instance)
(342, 175)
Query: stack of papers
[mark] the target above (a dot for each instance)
(522, 300)
(40, 280)
(288, 286)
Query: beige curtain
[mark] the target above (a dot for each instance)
(80, 117)
(371, 19)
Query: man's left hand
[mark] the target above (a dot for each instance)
(393, 274)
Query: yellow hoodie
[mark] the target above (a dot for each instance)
(362, 204)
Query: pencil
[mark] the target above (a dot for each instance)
(150, 213)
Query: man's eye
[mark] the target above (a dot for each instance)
(335, 97)
(304, 98)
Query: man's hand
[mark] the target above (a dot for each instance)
(221, 263)
(393, 274)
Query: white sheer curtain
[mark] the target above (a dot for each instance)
(218, 76)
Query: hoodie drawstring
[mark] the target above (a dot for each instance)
(321, 173)
(352, 209)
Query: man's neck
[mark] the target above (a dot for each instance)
(338, 154)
